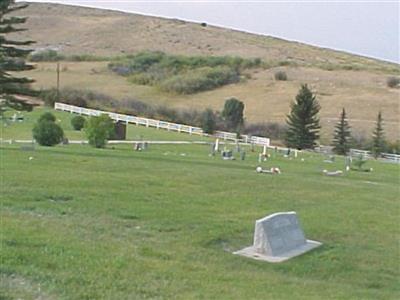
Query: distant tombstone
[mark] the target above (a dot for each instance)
(237, 146)
(243, 155)
(278, 237)
(140, 146)
(212, 153)
(227, 155)
(120, 131)
(333, 173)
(329, 159)
(216, 145)
(348, 162)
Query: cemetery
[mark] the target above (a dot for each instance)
(168, 220)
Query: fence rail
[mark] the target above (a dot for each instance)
(161, 124)
(367, 155)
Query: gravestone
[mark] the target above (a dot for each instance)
(227, 155)
(119, 131)
(278, 237)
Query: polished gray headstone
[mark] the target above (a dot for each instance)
(277, 238)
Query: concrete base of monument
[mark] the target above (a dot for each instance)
(251, 252)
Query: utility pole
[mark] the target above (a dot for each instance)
(58, 81)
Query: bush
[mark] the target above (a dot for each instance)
(270, 130)
(49, 97)
(202, 79)
(280, 75)
(393, 147)
(46, 132)
(45, 55)
(393, 82)
(47, 116)
(182, 74)
(99, 130)
(78, 122)
(359, 140)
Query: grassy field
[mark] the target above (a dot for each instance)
(23, 130)
(85, 223)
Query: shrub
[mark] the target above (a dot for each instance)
(393, 82)
(202, 79)
(99, 130)
(78, 122)
(46, 55)
(182, 74)
(270, 130)
(280, 75)
(393, 147)
(359, 140)
(359, 162)
(47, 116)
(49, 97)
(46, 132)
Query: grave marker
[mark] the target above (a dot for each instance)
(278, 237)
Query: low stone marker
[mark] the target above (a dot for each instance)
(333, 173)
(278, 237)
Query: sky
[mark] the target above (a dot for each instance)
(369, 28)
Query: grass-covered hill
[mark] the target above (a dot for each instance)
(85, 223)
(340, 79)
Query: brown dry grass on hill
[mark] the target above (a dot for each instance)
(363, 94)
(76, 30)
(340, 79)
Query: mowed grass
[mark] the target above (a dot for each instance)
(85, 223)
(23, 130)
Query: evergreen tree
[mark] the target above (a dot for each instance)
(12, 59)
(303, 121)
(378, 138)
(208, 121)
(233, 114)
(342, 136)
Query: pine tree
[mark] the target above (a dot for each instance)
(12, 59)
(341, 139)
(303, 121)
(233, 114)
(378, 138)
(208, 121)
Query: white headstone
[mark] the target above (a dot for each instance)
(278, 237)
(216, 145)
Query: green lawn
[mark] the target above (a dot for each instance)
(23, 130)
(85, 223)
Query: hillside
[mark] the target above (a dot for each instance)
(340, 79)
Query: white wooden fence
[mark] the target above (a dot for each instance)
(161, 124)
(367, 154)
